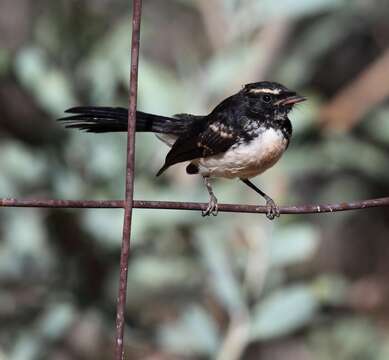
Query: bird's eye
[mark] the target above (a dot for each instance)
(266, 98)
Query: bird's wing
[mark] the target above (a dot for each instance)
(213, 139)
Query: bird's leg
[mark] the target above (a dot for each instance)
(271, 207)
(212, 204)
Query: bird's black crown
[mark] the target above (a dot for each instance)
(270, 86)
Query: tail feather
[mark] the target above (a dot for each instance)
(113, 119)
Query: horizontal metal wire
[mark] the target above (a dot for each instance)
(171, 205)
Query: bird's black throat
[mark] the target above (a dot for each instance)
(254, 123)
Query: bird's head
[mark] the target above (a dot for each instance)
(270, 99)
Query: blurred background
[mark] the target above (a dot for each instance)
(232, 287)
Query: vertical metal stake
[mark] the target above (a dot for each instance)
(125, 251)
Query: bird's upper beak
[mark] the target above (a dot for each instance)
(290, 100)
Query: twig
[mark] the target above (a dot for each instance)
(125, 251)
(353, 101)
(236, 338)
(172, 205)
(215, 22)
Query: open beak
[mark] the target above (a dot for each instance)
(291, 100)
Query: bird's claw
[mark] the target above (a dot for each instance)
(272, 210)
(212, 208)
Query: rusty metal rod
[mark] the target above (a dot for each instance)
(172, 205)
(125, 250)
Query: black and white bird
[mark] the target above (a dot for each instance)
(242, 137)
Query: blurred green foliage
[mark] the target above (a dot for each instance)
(231, 287)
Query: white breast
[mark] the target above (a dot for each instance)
(248, 159)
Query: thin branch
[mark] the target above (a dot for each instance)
(358, 97)
(171, 205)
(125, 251)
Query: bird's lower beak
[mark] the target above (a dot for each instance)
(291, 100)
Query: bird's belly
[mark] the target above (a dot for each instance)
(246, 160)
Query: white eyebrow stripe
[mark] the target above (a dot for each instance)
(265, 91)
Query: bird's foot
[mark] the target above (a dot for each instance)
(212, 208)
(272, 209)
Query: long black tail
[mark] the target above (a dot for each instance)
(110, 119)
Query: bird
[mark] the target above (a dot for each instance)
(243, 136)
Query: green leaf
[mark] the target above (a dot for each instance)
(27, 346)
(293, 244)
(194, 333)
(56, 320)
(48, 84)
(20, 163)
(330, 289)
(223, 282)
(378, 126)
(283, 312)
(154, 273)
(105, 225)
